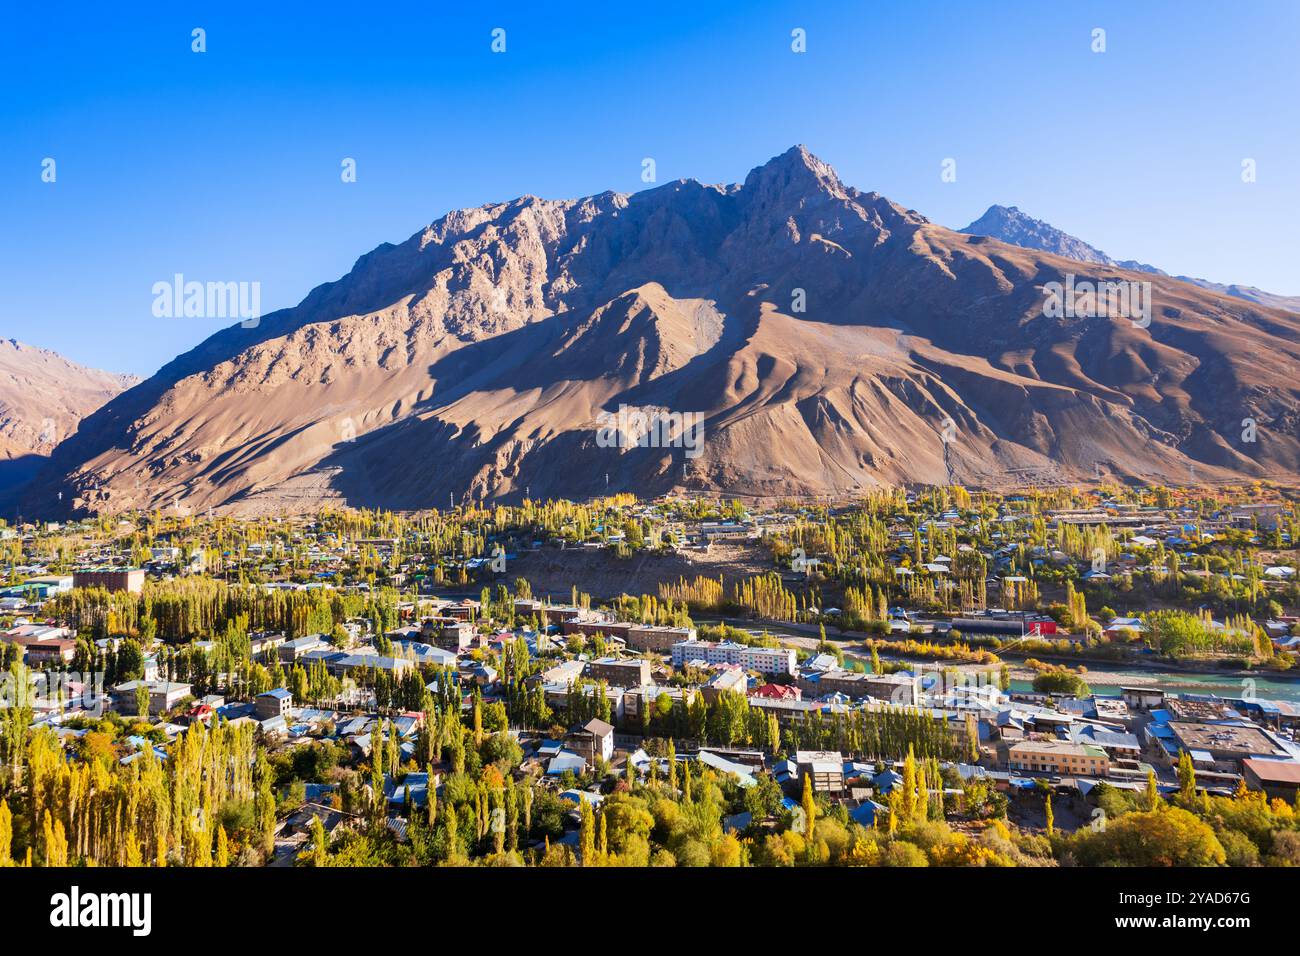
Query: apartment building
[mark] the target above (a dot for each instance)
(620, 673)
(901, 689)
(590, 629)
(111, 579)
(658, 638)
(1058, 757)
(765, 660)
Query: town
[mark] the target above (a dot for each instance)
(1060, 677)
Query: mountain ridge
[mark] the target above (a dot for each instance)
(44, 396)
(1010, 224)
(832, 334)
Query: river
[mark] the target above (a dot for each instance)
(1179, 682)
(1110, 676)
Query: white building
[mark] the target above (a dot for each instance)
(765, 660)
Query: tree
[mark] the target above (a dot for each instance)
(1169, 837)
(1186, 777)
(763, 799)
(223, 847)
(319, 843)
(809, 808)
(587, 832)
(909, 785)
(264, 802)
(1153, 792)
(54, 843)
(6, 834)
(1047, 810)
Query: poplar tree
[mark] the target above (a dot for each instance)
(264, 802)
(6, 834)
(319, 843)
(223, 847)
(809, 808)
(909, 785)
(1186, 776)
(586, 832)
(432, 805)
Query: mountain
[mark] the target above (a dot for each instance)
(43, 397)
(1009, 224)
(830, 339)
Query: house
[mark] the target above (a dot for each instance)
(414, 786)
(565, 761)
(1142, 698)
(163, 696)
(274, 703)
(1279, 779)
(294, 650)
(450, 633)
(1227, 744)
(593, 740)
(729, 678)
(41, 643)
(738, 771)
(777, 692)
(300, 821)
(825, 767)
(1116, 627)
(260, 643)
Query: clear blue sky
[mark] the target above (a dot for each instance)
(225, 165)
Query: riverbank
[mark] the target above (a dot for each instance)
(1104, 676)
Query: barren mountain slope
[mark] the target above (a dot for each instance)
(43, 397)
(831, 339)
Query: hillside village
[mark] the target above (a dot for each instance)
(905, 682)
